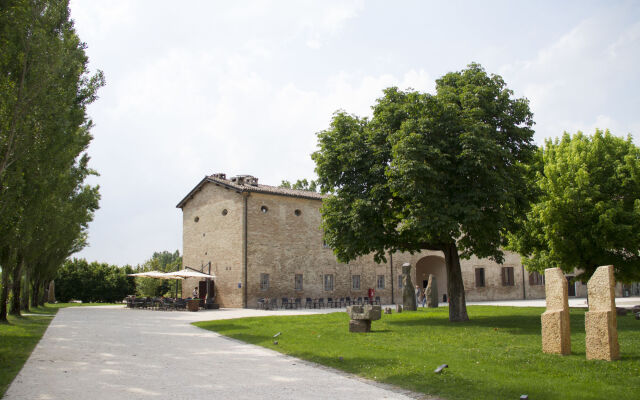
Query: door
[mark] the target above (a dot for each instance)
(572, 286)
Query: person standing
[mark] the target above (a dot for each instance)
(371, 292)
(195, 293)
(417, 295)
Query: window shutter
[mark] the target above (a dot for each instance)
(511, 280)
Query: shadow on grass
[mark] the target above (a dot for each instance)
(517, 324)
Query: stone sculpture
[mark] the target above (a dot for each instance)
(432, 292)
(387, 310)
(399, 308)
(361, 317)
(600, 321)
(51, 295)
(556, 334)
(408, 294)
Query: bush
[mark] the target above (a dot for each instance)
(93, 282)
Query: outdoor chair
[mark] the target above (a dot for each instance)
(320, 302)
(297, 303)
(285, 303)
(341, 303)
(308, 303)
(167, 304)
(347, 301)
(180, 304)
(377, 301)
(330, 302)
(359, 301)
(273, 304)
(261, 305)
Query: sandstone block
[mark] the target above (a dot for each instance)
(360, 325)
(601, 326)
(408, 294)
(370, 312)
(51, 295)
(432, 292)
(556, 331)
(554, 341)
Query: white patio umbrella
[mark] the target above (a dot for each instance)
(155, 274)
(188, 273)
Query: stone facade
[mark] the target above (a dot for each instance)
(266, 242)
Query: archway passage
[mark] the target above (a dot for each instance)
(432, 265)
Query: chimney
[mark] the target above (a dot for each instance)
(245, 180)
(219, 175)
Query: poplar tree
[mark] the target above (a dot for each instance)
(45, 89)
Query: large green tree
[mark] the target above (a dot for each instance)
(442, 172)
(587, 211)
(45, 89)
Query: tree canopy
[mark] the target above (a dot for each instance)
(442, 172)
(301, 184)
(587, 210)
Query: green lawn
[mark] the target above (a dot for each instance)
(495, 355)
(19, 337)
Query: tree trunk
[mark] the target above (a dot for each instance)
(24, 301)
(42, 293)
(14, 308)
(34, 293)
(4, 295)
(455, 285)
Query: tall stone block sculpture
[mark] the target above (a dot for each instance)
(600, 323)
(556, 333)
(432, 292)
(51, 296)
(408, 293)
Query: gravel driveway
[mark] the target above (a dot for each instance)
(116, 353)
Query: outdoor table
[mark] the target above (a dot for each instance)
(193, 304)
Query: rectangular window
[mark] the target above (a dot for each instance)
(507, 276)
(380, 281)
(479, 277)
(355, 282)
(536, 278)
(264, 281)
(298, 282)
(328, 282)
(399, 281)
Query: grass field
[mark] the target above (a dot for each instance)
(496, 355)
(19, 337)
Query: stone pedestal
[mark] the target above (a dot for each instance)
(399, 308)
(432, 292)
(600, 322)
(408, 294)
(361, 317)
(556, 332)
(360, 325)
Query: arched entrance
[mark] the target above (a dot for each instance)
(432, 265)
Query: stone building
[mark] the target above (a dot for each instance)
(264, 241)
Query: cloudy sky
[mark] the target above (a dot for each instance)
(242, 87)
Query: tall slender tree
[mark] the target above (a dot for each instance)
(44, 130)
